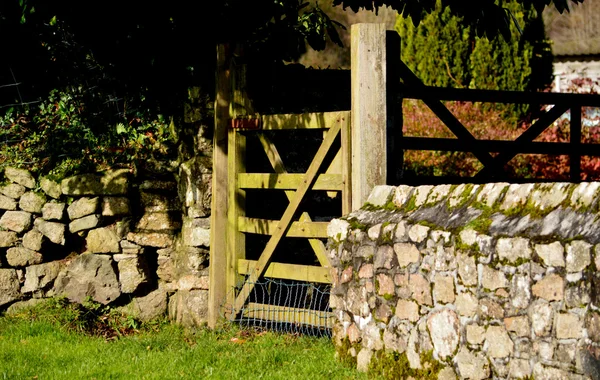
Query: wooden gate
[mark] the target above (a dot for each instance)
(332, 177)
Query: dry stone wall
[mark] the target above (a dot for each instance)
(133, 242)
(476, 281)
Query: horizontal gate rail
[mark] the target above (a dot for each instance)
(289, 315)
(268, 227)
(329, 182)
(296, 272)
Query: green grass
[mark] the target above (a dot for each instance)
(49, 342)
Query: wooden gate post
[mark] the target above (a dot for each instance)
(369, 110)
(218, 221)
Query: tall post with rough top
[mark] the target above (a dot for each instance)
(218, 222)
(369, 110)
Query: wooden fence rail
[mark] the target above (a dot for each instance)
(561, 103)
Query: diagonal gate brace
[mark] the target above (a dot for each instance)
(286, 220)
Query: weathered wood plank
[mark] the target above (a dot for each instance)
(286, 219)
(346, 148)
(317, 120)
(296, 272)
(532, 147)
(277, 181)
(268, 227)
(369, 119)
(494, 96)
(292, 315)
(218, 222)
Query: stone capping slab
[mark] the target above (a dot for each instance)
(468, 277)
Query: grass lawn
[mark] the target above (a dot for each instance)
(57, 340)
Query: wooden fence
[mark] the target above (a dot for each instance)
(371, 154)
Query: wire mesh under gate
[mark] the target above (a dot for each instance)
(287, 306)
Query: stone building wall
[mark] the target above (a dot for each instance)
(134, 242)
(470, 281)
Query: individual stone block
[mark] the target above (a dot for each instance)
(513, 249)
(578, 255)
(159, 221)
(386, 285)
(7, 203)
(472, 366)
(568, 326)
(467, 270)
(550, 288)
(195, 232)
(466, 304)
(366, 271)
(102, 240)
(53, 211)
(406, 253)
(492, 279)
(189, 308)
(407, 310)
(54, 231)
(418, 233)
(86, 223)
(40, 277)
(151, 202)
(517, 195)
(445, 258)
(33, 240)
(490, 193)
(17, 221)
(20, 176)
(50, 187)
(32, 202)
(13, 190)
(541, 315)
(592, 324)
(549, 196)
(148, 307)
(490, 310)
(519, 369)
(131, 248)
(346, 275)
(83, 207)
(381, 195)
(519, 325)
(113, 182)
(195, 185)
(89, 275)
(151, 239)
(475, 334)
(374, 232)
(498, 342)
(133, 272)
(21, 256)
(402, 195)
(9, 286)
(443, 289)
(420, 289)
(384, 257)
(584, 194)
(115, 206)
(553, 255)
(438, 194)
(8, 239)
(444, 329)
(520, 291)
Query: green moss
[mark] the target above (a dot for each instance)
(343, 353)
(481, 224)
(388, 297)
(411, 204)
(355, 224)
(392, 365)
